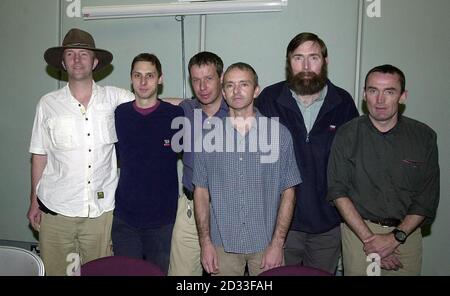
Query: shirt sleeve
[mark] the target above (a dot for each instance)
(261, 103)
(289, 170)
(122, 95)
(200, 177)
(38, 135)
(339, 168)
(425, 203)
(352, 112)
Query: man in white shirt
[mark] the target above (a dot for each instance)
(74, 167)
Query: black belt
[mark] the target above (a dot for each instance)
(387, 222)
(189, 194)
(44, 209)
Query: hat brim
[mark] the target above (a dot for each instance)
(54, 56)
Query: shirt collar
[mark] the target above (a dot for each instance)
(68, 94)
(393, 130)
(229, 126)
(321, 97)
(223, 106)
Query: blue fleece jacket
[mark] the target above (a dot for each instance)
(313, 213)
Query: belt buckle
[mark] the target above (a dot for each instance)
(383, 224)
(189, 194)
(387, 222)
(392, 222)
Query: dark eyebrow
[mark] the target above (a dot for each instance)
(152, 72)
(240, 81)
(246, 81)
(302, 55)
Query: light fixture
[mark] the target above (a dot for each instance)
(181, 8)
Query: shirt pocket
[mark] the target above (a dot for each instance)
(107, 129)
(411, 172)
(62, 132)
(104, 114)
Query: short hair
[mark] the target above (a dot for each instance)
(390, 69)
(244, 67)
(305, 37)
(147, 57)
(207, 58)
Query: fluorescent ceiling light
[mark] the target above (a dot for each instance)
(181, 8)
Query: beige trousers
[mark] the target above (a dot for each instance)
(356, 262)
(232, 264)
(185, 247)
(67, 242)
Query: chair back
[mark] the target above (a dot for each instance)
(20, 262)
(120, 266)
(295, 270)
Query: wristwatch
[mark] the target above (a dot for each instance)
(399, 235)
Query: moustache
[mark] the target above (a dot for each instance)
(308, 74)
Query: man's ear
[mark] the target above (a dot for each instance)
(256, 93)
(95, 64)
(63, 65)
(403, 97)
(161, 79)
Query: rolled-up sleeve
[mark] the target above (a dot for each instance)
(38, 142)
(425, 203)
(200, 177)
(339, 169)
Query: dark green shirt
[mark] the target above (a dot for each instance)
(386, 175)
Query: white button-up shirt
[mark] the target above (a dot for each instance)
(80, 177)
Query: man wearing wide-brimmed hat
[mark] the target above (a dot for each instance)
(74, 168)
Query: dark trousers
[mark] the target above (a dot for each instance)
(319, 250)
(151, 244)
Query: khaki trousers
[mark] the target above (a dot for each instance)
(232, 264)
(67, 242)
(355, 260)
(185, 247)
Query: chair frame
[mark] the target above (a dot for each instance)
(36, 258)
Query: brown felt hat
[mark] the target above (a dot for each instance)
(77, 38)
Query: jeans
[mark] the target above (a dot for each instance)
(150, 244)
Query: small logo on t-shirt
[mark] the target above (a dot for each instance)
(166, 143)
(332, 128)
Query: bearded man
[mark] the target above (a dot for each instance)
(312, 108)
